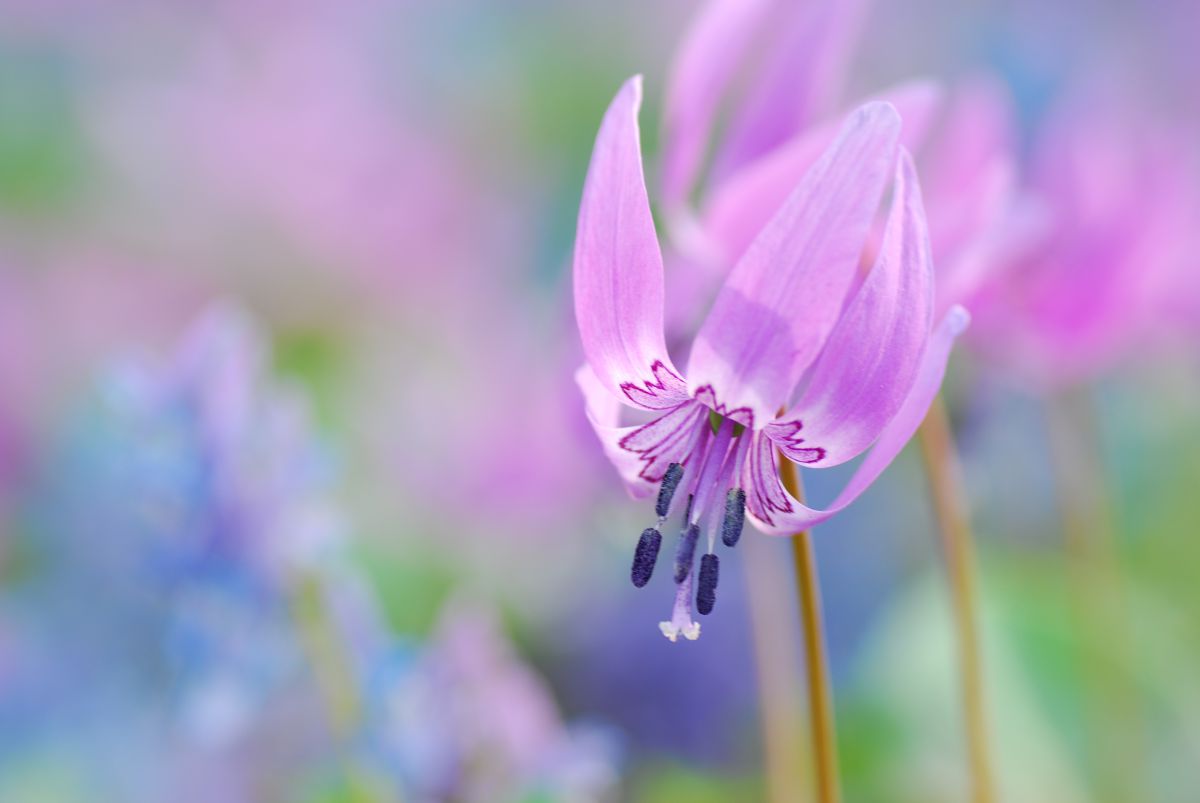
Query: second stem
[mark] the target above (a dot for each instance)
(949, 507)
(820, 698)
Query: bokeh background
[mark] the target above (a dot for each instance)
(297, 496)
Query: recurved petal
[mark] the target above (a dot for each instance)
(739, 207)
(785, 294)
(704, 64)
(971, 192)
(871, 360)
(603, 413)
(618, 265)
(764, 489)
(803, 74)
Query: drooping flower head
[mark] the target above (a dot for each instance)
(799, 355)
(795, 57)
(804, 49)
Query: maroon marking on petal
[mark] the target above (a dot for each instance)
(766, 493)
(776, 496)
(741, 415)
(762, 506)
(665, 391)
(665, 440)
(785, 434)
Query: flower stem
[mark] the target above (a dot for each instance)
(1110, 699)
(335, 681)
(776, 662)
(820, 700)
(333, 677)
(950, 509)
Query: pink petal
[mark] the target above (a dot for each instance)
(786, 293)
(604, 414)
(670, 438)
(791, 517)
(740, 206)
(1114, 180)
(803, 73)
(869, 365)
(704, 64)
(975, 211)
(618, 265)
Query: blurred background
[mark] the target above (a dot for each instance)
(297, 496)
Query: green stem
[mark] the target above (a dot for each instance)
(335, 681)
(1116, 739)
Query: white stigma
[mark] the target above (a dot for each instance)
(690, 631)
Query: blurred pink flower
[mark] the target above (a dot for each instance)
(980, 217)
(802, 71)
(789, 116)
(790, 316)
(282, 129)
(1119, 187)
(295, 128)
(467, 719)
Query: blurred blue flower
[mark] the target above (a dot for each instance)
(464, 718)
(180, 501)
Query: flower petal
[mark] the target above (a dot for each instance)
(618, 265)
(975, 211)
(740, 206)
(704, 64)
(871, 360)
(803, 72)
(786, 293)
(763, 495)
(603, 413)
(670, 438)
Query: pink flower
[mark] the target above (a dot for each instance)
(801, 77)
(980, 217)
(791, 115)
(1107, 274)
(850, 361)
(282, 134)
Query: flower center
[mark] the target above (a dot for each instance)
(709, 474)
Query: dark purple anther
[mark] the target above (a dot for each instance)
(735, 516)
(686, 553)
(645, 556)
(667, 491)
(706, 591)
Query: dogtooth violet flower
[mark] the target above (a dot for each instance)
(1099, 286)
(792, 58)
(800, 354)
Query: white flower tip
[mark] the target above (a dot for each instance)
(875, 113)
(957, 319)
(634, 84)
(690, 631)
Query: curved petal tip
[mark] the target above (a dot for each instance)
(957, 320)
(875, 113)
